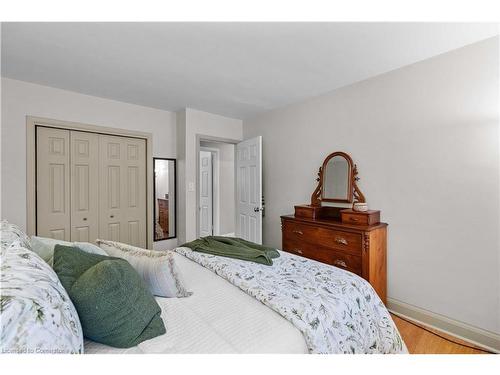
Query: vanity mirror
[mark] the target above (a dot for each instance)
(337, 181)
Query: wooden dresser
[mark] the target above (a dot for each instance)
(356, 247)
(163, 215)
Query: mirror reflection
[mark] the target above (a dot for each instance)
(164, 192)
(336, 179)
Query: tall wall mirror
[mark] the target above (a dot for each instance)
(165, 198)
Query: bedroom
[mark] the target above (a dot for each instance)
(363, 167)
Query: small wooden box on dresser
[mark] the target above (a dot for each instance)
(354, 241)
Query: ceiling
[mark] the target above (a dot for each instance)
(234, 69)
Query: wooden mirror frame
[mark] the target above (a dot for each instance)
(355, 193)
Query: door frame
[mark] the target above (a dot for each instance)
(215, 190)
(209, 138)
(32, 122)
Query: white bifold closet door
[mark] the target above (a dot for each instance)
(91, 186)
(53, 208)
(122, 196)
(84, 186)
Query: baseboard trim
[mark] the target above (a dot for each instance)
(477, 336)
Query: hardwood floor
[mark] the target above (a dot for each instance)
(420, 341)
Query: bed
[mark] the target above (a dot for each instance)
(297, 305)
(236, 307)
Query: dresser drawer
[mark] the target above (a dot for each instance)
(370, 217)
(337, 258)
(327, 238)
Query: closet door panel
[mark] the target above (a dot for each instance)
(134, 233)
(110, 188)
(84, 186)
(53, 183)
(114, 232)
(135, 191)
(122, 189)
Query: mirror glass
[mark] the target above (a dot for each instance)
(336, 178)
(164, 205)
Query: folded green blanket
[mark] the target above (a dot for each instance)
(234, 248)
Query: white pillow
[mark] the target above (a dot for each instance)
(157, 268)
(44, 247)
(89, 248)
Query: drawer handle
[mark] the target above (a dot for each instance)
(84, 219)
(340, 263)
(353, 218)
(298, 232)
(298, 251)
(341, 240)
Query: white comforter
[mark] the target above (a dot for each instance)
(222, 318)
(217, 318)
(337, 311)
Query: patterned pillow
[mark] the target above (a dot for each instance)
(12, 235)
(37, 316)
(157, 268)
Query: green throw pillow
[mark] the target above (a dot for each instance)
(114, 305)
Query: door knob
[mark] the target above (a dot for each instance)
(256, 209)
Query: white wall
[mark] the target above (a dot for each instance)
(20, 99)
(226, 185)
(426, 141)
(191, 125)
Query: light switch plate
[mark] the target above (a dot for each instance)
(191, 186)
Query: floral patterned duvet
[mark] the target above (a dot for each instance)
(336, 311)
(36, 314)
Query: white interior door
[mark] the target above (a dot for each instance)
(206, 194)
(249, 190)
